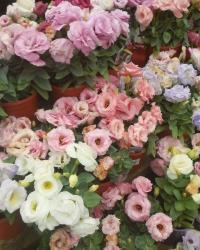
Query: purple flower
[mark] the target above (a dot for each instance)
(176, 94)
(133, 3)
(191, 240)
(30, 45)
(63, 14)
(187, 74)
(7, 171)
(196, 119)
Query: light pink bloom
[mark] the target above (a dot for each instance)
(111, 247)
(65, 104)
(180, 6)
(148, 121)
(41, 115)
(99, 140)
(81, 109)
(130, 69)
(97, 212)
(197, 168)
(59, 138)
(91, 117)
(8, 122)
(120, 3)
(22, 123)
(40, 8)
(122, 17)
(30, 44)
(88, 95)
(156, 112)
(106, 104)
(83, 37)
(163, 4)
(144, 15)
(159, 226)
(165, 145)
(137, 207)
(110, 197)
(196, 141)
(5, 20)
(6, 135)
(61, 50)
(116, 128)
(107, 162)
(38, 149)
(41, 134)
(63, 14)
(137, 135)
(142, 185)
(158, 166)
(145, 91)
(110, 225)
(124, 188)
(57, 118)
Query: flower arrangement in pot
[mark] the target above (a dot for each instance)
(21, 64)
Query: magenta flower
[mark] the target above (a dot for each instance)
(40, 8)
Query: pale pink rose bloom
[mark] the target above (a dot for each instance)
(165, 145)
(91, 117)
(99, 140)
(111, 247)
(145, 91)
(106, 104)
(104, 123)
(8, 122)
(158, 166)
(6, 44)
(144, 15)
(59, 138)
(81, 109)
(137, 135)
(110, 225)
(88, 129)
(116, 128)
(65, 104)
(5, 20)
(137, 207)
(63, 14)
(83, 37)
(142, 185)
(41, 134)
(124, 188)
(37, 149)
(156, 112)
(196, 141)
(122, 18)
(130, 69)
(197, 168)
(61, 50)
(6, 135)
(148, 121)
(89, 96)
(97, 212)
(159, 226)
(125, 143)
(41, 115)
(180, 6)
(57, 118)
(110, 197)
(30, 44)
(163, 4)
(3, 156)
(22, 123)
(107, 162)
(120, 3)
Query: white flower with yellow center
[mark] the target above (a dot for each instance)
(59, 159)
(25, 164)
(48, 222)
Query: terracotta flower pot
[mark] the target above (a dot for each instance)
(138, 158)
(26, 107)
(58, 92)
(8, 232)
(140, 54)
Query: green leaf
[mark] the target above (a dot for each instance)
(179, 206)
(85, 178)
(91, 199)
(43, 84)
(10, 159)
(166, 37)
(174, 214)
(2, 113)
(41, 92)
(62, 74)
(177, 194)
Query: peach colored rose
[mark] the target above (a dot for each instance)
(142, 185)
(110, 225)
(106, 104)
(137, 135)
(116, 128)
(144, 15)
(148, 121)
(110, 197)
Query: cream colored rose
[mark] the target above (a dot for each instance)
(24, 7)
(195, 56)
(179, 164)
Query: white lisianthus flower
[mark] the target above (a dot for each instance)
(43, 168)
(59, 159)
(85, 155)
(67, 208)
(103, 4)
(48, 222)
(25, 164)
(196, 198)
(195, 56)
(85, 227)
(22, 7)
(11, 196)
(179, 164)
(48, 186)
(34, 208)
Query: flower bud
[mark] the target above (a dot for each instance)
(93, 188)
(57, 176)
(193, 154)
(24, 183)
(156, 191)
(73, 180)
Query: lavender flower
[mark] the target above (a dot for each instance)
(191, 240)
(176, 94)
(187, 74)
(7, 171)
(196, 118)
(153, 79)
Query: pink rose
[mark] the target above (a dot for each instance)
(83, 37)
(137, 135)
(116, 128)
(22, 123)
(106, 104)
(81, 3)
(41, 115)
(42, 27)
(148, 3)
(196, 141)
(63, 15)
(58, 118)
(142, 185)
(8, 122)
(61, 50)
(59, 138)
(179, 7)
(40, 8)
(137, 207)
(41, 134)
(107, 162)
(97, 212)
(111, 247)
(110, 197)
(163, 4)
(6, 135)
(5, 20)
(197, 168)
(159, 226)
(145, 91)
(158, 166)
(122, 17)
(124, 188)
(110, 225)
(130, 69)
(165, 145)
(30, 45)
(156, 113)
(81, 109)
(99, 140)
(120, 3)
(37, 149)
(144, 15)
(65, 104)
(88, 95)
(148, 121)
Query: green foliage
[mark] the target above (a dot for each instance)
(91, 199)
(92, 242)
(44, 240)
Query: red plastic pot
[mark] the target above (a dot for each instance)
(140, 53)
(8, 232)
(58, 92)
(26, 107)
